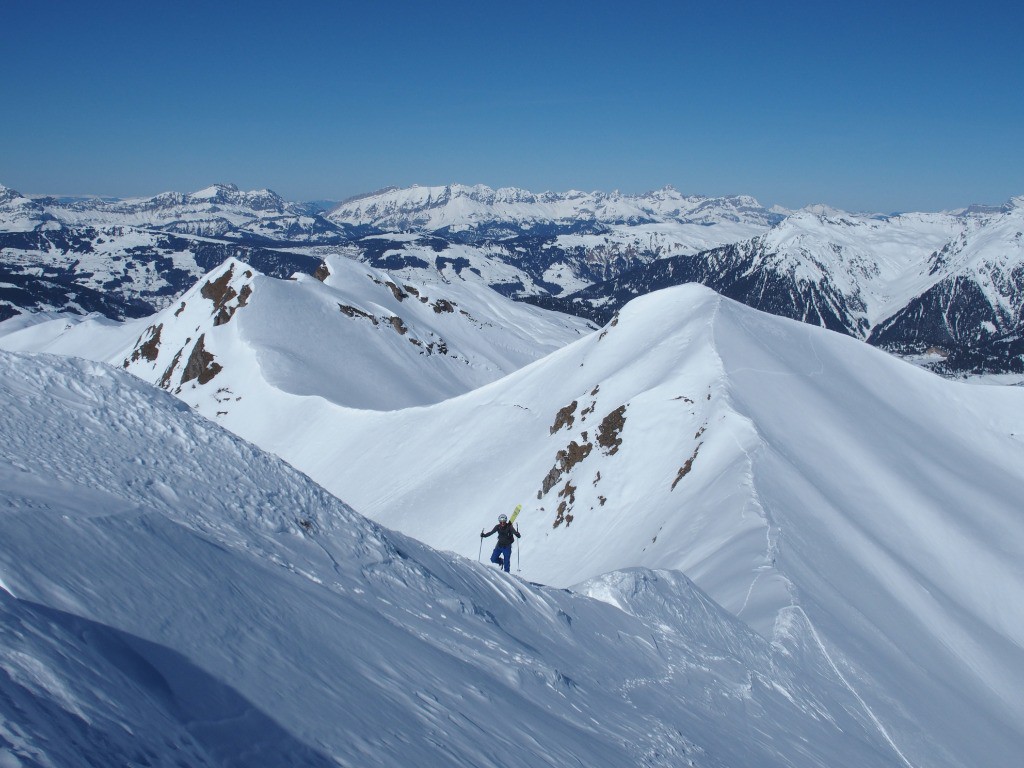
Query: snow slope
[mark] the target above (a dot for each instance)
(877, 262)
(170, 595)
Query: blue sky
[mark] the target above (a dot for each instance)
(867, 106)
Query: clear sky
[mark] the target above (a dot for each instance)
(862, 105)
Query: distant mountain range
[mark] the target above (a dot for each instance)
(950, 285)
(945, 287)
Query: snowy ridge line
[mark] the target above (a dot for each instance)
(754, 498)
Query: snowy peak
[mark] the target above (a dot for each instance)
(351, 335)
(162, 357)
(263, 200)
(7, 195)
(823, 212)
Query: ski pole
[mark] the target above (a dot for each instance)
(480, 552)
(518, 545)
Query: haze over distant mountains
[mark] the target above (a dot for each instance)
(946, 287)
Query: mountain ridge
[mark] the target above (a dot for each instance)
(248, 615)
(893, 280)
(814, 488)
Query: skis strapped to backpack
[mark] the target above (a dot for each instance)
(515, 513)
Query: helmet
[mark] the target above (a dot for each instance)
(502, 518)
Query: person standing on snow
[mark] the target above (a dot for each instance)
(502, 554)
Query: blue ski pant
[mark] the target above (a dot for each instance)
(502, 552)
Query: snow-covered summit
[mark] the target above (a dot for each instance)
(7, 194)
(823, 211)
(229, 194)
(353, 336)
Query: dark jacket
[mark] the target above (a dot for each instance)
(505, 534)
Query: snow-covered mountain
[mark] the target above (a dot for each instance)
(19, 213)
(129, 258)
(170, 595)
(462, 207)
(973, 306)
(791, 472)
(351, 335)
(830, 496)
(221, 210)
(943, 285)
(952, 283)
(528, 244)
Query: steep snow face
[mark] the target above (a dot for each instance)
(358, 339)
(221, 609)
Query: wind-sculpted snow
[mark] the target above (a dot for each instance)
(171, 595)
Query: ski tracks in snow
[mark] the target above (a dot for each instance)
(772, 549)
(849, 686)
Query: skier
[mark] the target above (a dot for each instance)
(502, 554)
